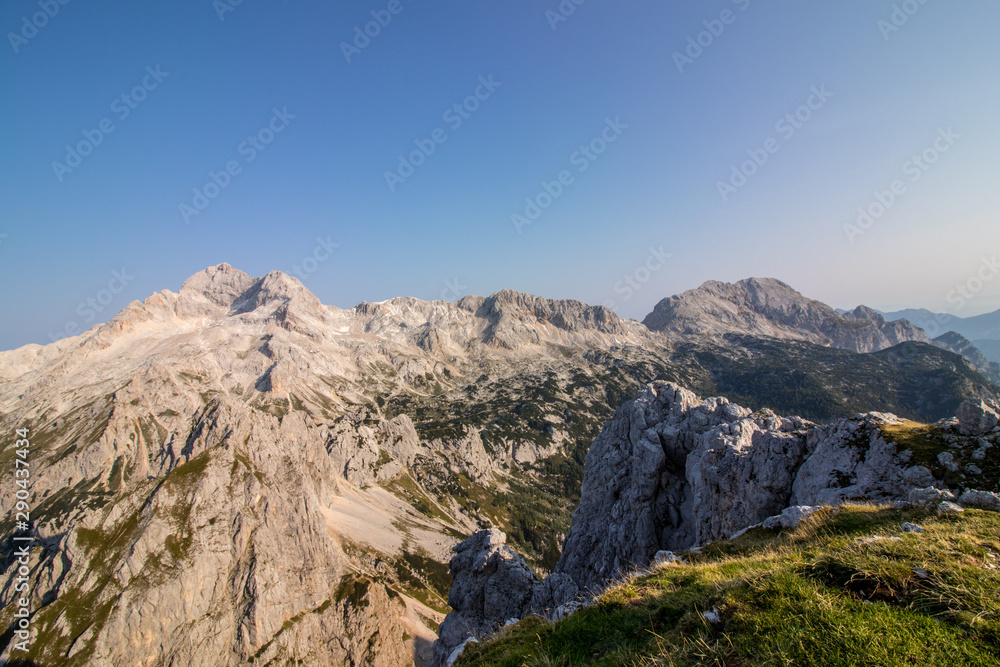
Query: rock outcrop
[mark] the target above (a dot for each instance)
(491, 585)
(366, 448)
(670, 472)
(978, 417)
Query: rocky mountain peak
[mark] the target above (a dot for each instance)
(220, 284)
(749, 304)
(517, 319)
(567, 314)
(769, 307)
(864, 313)
(276, 289)
(760, 287)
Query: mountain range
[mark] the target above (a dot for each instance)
(982, 330)
(237, 473)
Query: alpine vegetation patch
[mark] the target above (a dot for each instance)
(122, 106)
(249, 149)
(454, 116)
(310, 263)
(633, 282)
(562, 12)
(581, 158)
(363, 35)
(901, 14)
(787, 127)
(30, 25)
(714, 28)
(913, 170)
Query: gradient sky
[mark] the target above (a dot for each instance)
(447, 230)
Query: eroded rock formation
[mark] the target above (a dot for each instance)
(670, 472)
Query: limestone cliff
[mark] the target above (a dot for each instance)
(670, 472)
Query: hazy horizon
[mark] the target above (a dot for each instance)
(462, 149)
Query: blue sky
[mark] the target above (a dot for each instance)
(661, 131)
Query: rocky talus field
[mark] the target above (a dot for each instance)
(237, 474)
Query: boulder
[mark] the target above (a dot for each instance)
(948, 507)
(929, 496)
(665, 558)
(976, 417)
(790, 517)
(981, 499)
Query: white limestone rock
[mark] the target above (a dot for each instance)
(977, 417)
(490, 585)
(790, 517)
(929, 496)
(666, 558)
(948, 507)
(981, 499)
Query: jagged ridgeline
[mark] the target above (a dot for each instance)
(237, 473)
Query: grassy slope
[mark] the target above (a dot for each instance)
(812, 596)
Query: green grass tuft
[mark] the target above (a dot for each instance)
(817, 595)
